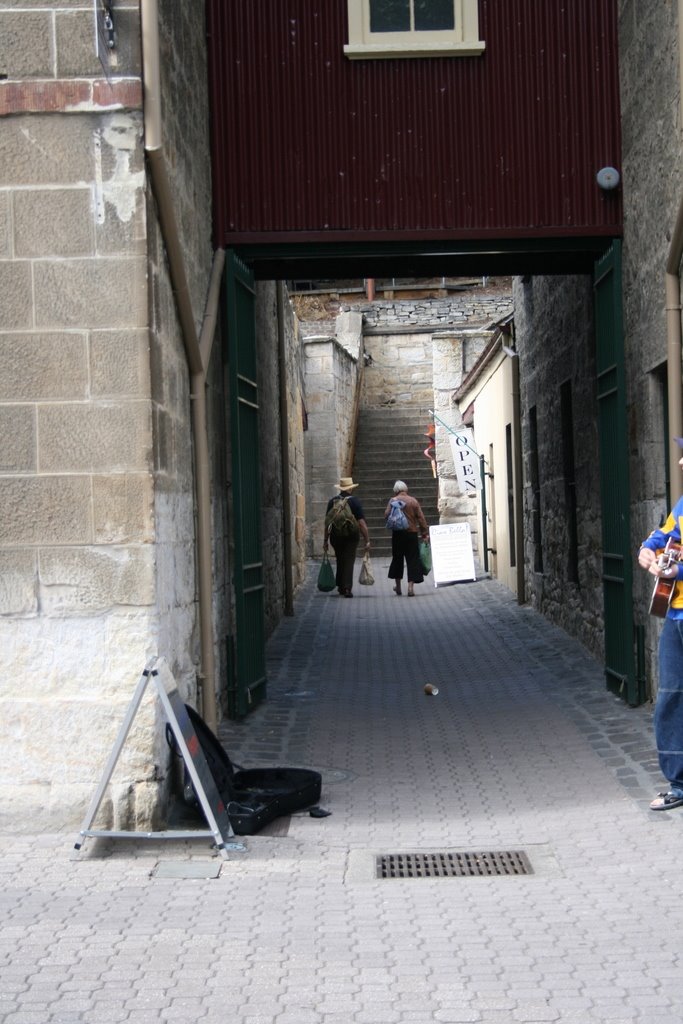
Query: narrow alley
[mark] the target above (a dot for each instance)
(522, 750)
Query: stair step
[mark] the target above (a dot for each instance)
(390, 446)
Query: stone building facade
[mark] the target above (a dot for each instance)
(98, 504)
(652, 129)
(421, 350)
(333, 367)
(98, 481)
(413, 350)
(562, 523)
(554, 320)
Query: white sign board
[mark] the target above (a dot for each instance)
(452, 555)
(466, 460)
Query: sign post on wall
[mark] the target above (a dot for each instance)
(211, 802)
(452, 555)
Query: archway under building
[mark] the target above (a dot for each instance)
(598, 258)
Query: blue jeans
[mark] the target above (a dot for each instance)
(668, 719)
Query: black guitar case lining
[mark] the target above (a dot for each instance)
(253, 796)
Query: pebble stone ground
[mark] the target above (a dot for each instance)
(522, 749)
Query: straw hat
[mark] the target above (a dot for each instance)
(346, 483)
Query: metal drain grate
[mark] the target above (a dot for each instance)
(453, 865)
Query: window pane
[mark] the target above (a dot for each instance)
(390, 15)
(434, 15)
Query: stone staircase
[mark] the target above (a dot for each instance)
(389, 447)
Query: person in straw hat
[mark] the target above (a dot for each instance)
(344, 532)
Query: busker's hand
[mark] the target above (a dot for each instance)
(646, 557)
(655, 570)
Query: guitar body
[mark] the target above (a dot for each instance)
(664, 587)
(661, 597)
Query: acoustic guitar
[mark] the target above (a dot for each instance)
(664, 587)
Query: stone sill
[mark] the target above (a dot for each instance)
(374, 51)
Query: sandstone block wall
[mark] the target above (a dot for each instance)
(400, 372)
(96, 495)
(76, 494)
(421, 351)
(331, 373)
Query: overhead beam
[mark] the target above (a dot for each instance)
(315, 260)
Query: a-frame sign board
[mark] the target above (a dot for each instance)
(158, 673)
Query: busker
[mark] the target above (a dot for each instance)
(668, 716)
(344, 525)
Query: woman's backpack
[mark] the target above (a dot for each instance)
(397, 519)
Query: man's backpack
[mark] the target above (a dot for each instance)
(397, 519)
(340, 521)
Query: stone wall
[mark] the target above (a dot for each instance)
(295, 406)
(185, 136)
(399, 370)
(456, 310)
(331, 373)
(553, 328)
(278, 369)
(76, 501)
(420, 352)
(652, 190)
(96, 503)
(652, 186)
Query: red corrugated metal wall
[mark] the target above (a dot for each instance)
(310, 145)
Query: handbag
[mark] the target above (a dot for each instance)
(425, 557)
(366, 578)
(326, 580)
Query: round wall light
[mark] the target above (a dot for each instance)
(608, 178)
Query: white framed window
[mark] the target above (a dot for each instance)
(413, 28)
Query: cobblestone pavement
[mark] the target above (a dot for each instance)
(522, 749)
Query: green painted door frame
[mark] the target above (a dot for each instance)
(248, 683)
(617, 553)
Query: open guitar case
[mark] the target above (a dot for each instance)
(253, 797)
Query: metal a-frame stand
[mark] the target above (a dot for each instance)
(211, 802)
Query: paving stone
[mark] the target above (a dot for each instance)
(290, 934)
